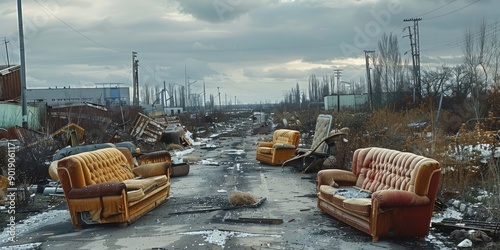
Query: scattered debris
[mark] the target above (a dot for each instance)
(256, 204)
(158, 126)
(256, 220)
(491, 228)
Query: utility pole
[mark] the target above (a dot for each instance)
(135, 81)
(220, 106)
(204, 96)
(368, 78)
(24, 108)
(415, 49)
(338, 73)
(163, 99)
(413, 61)
(6, 51)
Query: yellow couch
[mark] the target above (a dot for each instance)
(176, 169)
(102, 186)
(280, 149)
(388, 193)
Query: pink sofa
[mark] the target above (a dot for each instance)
(388, 193)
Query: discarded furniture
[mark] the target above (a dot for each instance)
(173, 133)
(71, 134)
(388, 192)
(152, 128)
(321, 131)
(102, 186)
(311, 160)
(146, 128)
(280, 149)
(176, 169)
(314, 156)
(67, 151)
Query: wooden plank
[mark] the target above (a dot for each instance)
(491, 228)
(256, 220)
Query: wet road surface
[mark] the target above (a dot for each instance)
(290, 199)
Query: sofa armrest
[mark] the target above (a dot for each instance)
(152, 169)
(265, 144)
(97, 190)
(399, 198)
(336, 177)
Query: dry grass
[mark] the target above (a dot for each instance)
(173, 146)
(238, 198)
(191, 159)
(465, 172)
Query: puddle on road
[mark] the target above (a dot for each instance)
(219, 237)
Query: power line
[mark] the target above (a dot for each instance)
(437, 8)
(451, 12)
(76, 31)
(460, 41)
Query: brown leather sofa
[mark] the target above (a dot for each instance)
(102, 186)
(280, 149)
(388, 193)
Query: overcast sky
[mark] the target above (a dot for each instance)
(253, 50)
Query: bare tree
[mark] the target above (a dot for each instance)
(435, 81)
(388, 64)
(481, 52)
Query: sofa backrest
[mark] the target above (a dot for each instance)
(382, 169)
(103, 165)
(286, 136)
(323, 127)
(67, 151)
(154, 157)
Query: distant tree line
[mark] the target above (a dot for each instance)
(464, 87)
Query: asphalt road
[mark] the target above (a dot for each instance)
(290, 199)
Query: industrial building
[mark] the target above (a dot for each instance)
(70, 96)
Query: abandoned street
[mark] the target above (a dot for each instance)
(198, 215)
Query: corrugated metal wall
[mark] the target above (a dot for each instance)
(10, 83)
(10, 116)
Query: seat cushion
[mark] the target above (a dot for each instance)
(145, 184)
(283, 145)
(361, 206)
(160, 180)
(135, 195)
(264, 150)
(330, 193)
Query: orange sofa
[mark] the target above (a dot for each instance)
(280, 149)
(103, 186)
(176, 169)
(388, 193)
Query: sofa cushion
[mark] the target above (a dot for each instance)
(361, 206)
(145, 184)
(135, 195)
(264, 150)
(283, 145)
(326, 191)
(160, 180)
(332, 194)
